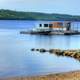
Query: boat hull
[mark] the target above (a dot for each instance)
(36, 32)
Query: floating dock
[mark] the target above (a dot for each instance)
(53, 28)
(51, 33)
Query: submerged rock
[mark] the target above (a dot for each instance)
(51, 51)
(43, 50)
(70, 53)
(37, 49)
(32, 49)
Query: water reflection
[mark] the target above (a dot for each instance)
(56, 41)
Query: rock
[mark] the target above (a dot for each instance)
(37, 50)
(61, 53)
(73, 54)
(77, 56)
(67, 53)
(43, 50)
(70, 53)
(32, 49)
(51, 51)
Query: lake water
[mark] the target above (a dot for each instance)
(16, 59)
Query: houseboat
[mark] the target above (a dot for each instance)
(52, 28)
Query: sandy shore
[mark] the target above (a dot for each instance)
(75, 75)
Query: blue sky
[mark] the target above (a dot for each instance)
(47, 6)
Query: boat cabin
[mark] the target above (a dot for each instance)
(54, 26)
(61, 26)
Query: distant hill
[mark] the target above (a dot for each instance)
(17, 15)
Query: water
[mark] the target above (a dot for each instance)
(16, 59)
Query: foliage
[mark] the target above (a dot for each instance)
(18, 15)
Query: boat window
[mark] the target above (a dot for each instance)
(40, 25)
(50, 25)
(45, 25)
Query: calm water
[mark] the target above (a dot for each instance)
(16, 59)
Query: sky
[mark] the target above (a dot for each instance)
(47, 6)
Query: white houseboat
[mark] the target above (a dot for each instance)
(55, 27)
(49, 27)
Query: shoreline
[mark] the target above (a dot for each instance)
(73, 75)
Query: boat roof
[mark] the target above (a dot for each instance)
(51, 22)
